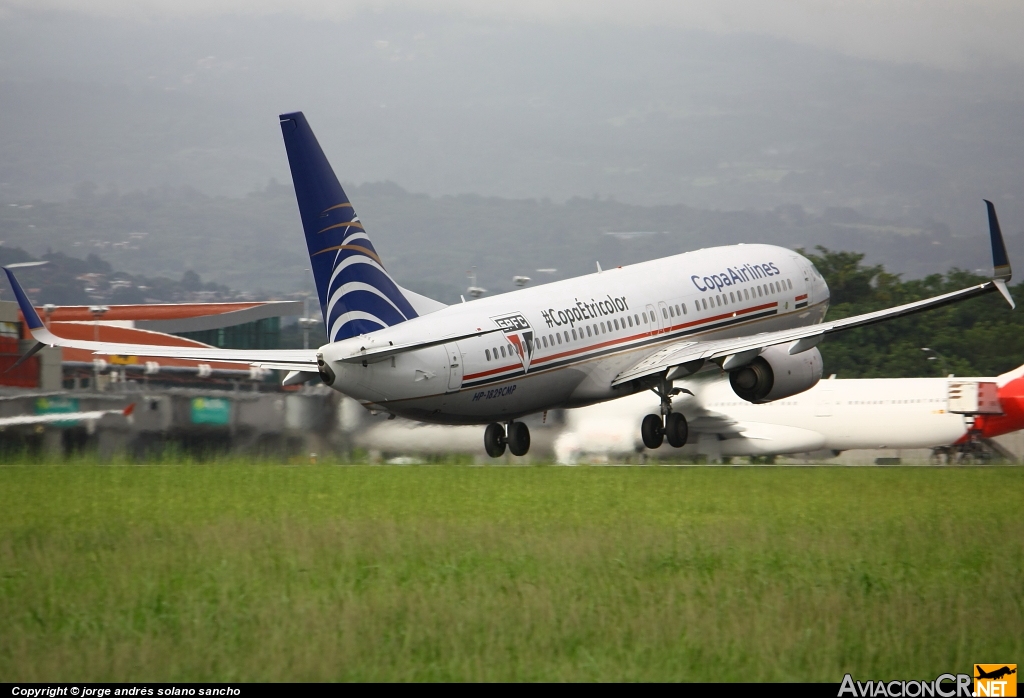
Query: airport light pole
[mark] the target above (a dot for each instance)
(937, 357)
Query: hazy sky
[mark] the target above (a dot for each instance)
(898, 109)
(947, 33)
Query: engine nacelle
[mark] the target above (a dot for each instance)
(776, 374)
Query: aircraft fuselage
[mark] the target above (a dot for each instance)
(563, 343)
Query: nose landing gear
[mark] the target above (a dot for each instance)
(516, 437)
(668, 425)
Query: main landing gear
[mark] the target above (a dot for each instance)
(516, 436)
(667, 425)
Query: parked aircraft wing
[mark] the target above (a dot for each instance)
(62, 417)
(686, 356)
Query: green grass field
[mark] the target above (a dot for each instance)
(261, 572)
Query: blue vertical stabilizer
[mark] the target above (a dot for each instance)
(356, 294)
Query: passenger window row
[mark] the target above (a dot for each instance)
(667, 311)
(673, 310)
(574, 335)
(718, 300)
(746, 294)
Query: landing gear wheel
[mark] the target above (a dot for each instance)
(494, 440)
(518, 438)
(676, 430)
(651, 431)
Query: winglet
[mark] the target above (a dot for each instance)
(1000, 262)
(31, 316)
(1001, 271)
(1001, 286)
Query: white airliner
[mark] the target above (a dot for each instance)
(835, 415)
(755, 311)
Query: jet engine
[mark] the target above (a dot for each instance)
(776, 374)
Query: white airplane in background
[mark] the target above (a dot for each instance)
(835, 415)
(755, 311)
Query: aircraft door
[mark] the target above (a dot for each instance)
(662, 317)
(454, 359)
(652, 327)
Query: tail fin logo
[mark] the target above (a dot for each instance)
(361, 295)
(356, 294)
(520, 335)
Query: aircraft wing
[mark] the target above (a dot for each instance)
(685, 357)
(62, 417)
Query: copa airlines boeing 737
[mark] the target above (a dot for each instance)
(755, 311)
